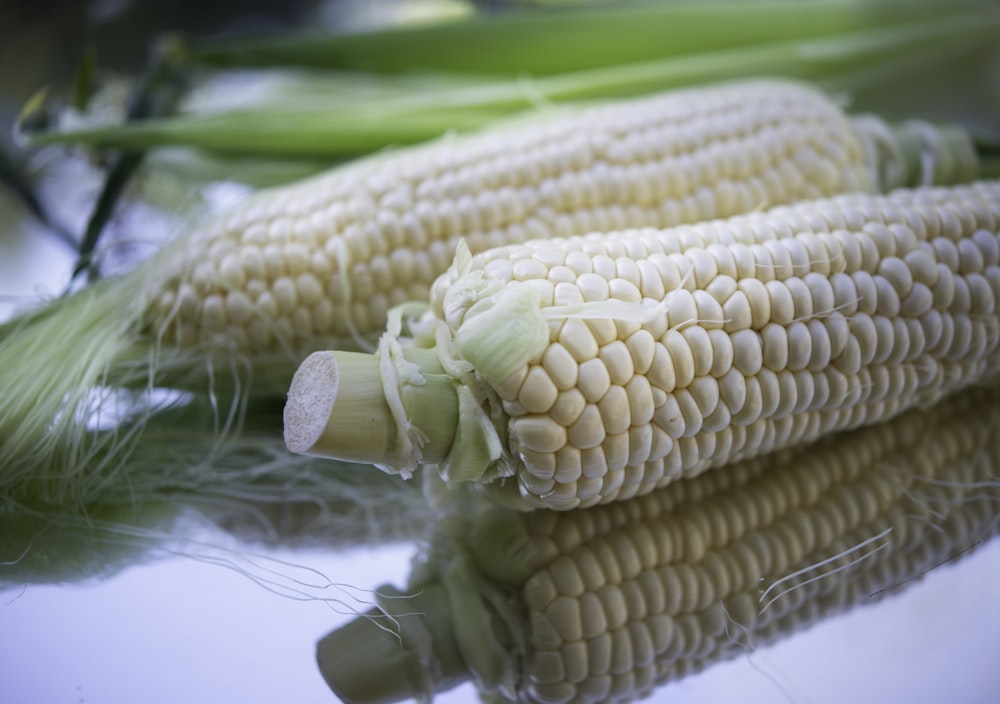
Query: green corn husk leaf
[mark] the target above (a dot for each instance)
(549, 41)
(865, 59)
(194, 463)
(146, 444)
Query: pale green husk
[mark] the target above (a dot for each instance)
(874, 50)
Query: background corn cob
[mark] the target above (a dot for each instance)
(322, 262)
(240, 300)
(604, 366)
(606, 603)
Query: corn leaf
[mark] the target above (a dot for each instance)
(866, 60)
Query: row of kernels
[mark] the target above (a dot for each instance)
(628, 607)
(796, 347)
(768, 434)
(694, 268)
(671, 636)
(452, 168)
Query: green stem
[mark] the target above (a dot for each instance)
(340, 132)
(156, 94)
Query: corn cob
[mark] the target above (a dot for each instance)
(604, 604)
(241, 300)
(322, 262)
(601, 367)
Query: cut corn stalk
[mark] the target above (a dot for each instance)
(243, 298)
(597, 368)
(608, 603)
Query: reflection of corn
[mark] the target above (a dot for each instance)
(326, 259)
(605, 603)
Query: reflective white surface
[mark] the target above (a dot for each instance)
(179, 630)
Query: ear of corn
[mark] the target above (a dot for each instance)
(601, 367)
(607, 603)
(241, 300)
(326, 260)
